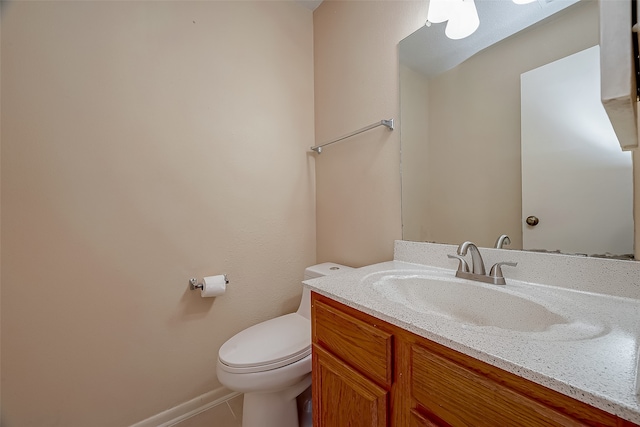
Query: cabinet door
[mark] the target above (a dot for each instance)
(418, 420)
(344, 398)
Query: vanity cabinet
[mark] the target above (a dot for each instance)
(352, 369)
(367, 372)
(345, 397)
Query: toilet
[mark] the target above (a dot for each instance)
(271, 362)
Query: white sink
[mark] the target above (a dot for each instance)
(487, 307)
(468, 302)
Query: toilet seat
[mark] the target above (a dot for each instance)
(268, 345)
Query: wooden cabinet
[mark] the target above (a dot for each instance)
(367, 372)
(352, 371)
(457, 395)
(418, 420)
(361, 344)
(343, 397)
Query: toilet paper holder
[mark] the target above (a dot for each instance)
(193, 283)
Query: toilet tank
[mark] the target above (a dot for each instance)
(318, 270)
(324, 269)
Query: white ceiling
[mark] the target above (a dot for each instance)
(430, 52)
(309, 4)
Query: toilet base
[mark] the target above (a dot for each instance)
(273, 409)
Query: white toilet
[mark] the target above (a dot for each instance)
(271, 362)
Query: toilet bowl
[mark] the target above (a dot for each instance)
(271, 362)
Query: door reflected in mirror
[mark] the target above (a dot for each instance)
(461, 140)
(575, 177)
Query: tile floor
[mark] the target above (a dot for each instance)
(227, 414)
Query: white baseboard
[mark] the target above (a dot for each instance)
(188, 409)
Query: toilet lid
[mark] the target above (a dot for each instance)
(274, 343)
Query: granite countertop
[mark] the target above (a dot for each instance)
(592, 358)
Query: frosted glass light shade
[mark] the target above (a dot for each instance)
(463, 20)
(440, 10)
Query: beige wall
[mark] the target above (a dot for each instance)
(144, 143)
(356, 83)
(414, 106)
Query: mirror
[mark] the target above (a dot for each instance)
(461, 134)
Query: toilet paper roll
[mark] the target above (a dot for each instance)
(213, 286)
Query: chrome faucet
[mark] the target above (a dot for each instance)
(477, 264)
(502, 240)
(477, 270)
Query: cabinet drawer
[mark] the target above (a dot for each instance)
(363, 346)
(461, 397)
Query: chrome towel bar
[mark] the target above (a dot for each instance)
(387, 123)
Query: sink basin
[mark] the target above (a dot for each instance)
(478, 305)
(467, 302)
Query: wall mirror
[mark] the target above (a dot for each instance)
(463, 162)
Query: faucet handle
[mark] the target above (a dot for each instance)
(462, 265)
(496, 270)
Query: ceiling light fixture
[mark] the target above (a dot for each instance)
(462, 16)
(463, 21)
(439, 11)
